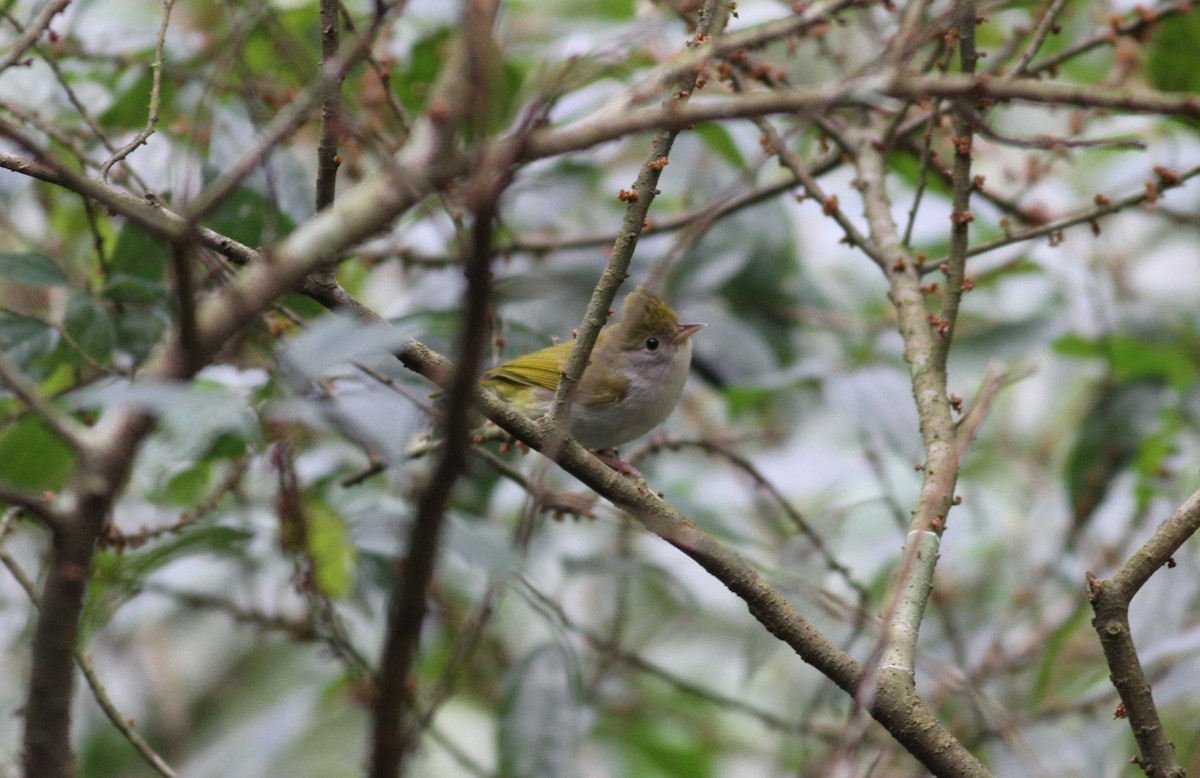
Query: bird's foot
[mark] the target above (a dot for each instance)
(624, 468)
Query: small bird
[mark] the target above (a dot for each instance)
(630, 386)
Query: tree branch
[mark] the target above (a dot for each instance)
(395, 715)
(29, 38)
(900, 711)
(1110, 600)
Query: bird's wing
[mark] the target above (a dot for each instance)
(540, 370)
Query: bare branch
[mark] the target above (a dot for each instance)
(156, 68)
(865, 91)
(395, 718)
(123, 723)
(926, 345)
(996, 379)
(1110, 603)
(903, 713)
(1165, 180)
(1044, 25)
(29, 38)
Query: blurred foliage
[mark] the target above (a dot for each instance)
(238, 602)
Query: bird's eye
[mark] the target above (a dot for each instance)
(652, 344)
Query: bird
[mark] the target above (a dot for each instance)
(631, 384)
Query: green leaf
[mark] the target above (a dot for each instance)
(192, 416)
(186, 488)
(119, 574)
(25, 339)
(138, 331)
(195, 539)
(32, 269)
(1171, 64)
(742, 400)
(658, 749)
(1137, 357)
(89, 328)
(540, 717)
(330, 548)
(428, 54)
(1172, 61)
(1050, 668)
(285, 50)
(717, 138)
(616, 10)
(132, 104)
(1110, 434)
(33, 457)
(908, 167)
(136, 290)
(138, 255)
(245, 213)
(1075, 345)
(1133, 358)
(337, 339)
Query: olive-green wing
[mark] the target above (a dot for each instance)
(540, 370)
(602, 388)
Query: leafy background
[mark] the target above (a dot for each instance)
(232, 625)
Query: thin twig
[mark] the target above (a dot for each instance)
(286, 121)
(645, 666)
(1139, 20)
(996, 379)
(1044, 26)
(829, 205)
(29, 36)
(1150, 192)
(794, 516)
(156, 68)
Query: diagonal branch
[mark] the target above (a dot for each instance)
(1110, 600)
(903, 713)
(29, 37)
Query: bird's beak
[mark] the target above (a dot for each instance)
(685, 331)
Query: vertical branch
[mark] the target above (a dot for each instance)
(927, 338)
(123, 724)
(961, 184)
(181, 272)
(395, 714)
(331, 105)
(328, 160)
(155, 97)
(84, 508)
